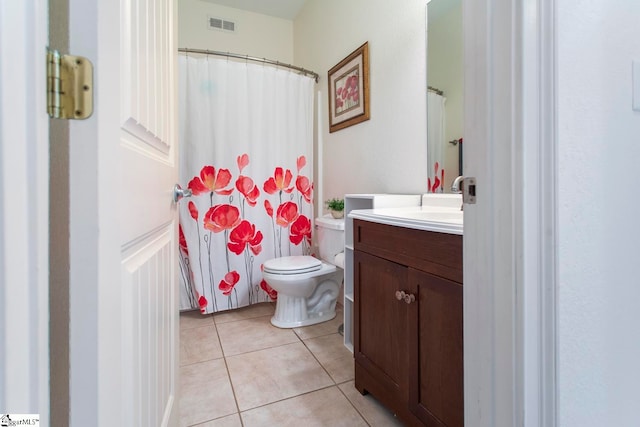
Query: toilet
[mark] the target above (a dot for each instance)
(308, 287)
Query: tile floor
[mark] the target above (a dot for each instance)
(236, 369)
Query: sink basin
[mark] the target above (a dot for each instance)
(441, 219)
(441, 200)
(453, 216)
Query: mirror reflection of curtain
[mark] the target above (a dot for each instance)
(435, 135)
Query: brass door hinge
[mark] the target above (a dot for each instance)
(69, 86)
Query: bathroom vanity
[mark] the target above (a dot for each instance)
(408, 343)
(364, 202)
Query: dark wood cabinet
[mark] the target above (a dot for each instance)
(378, 327)
(435, 350)
(408, 322)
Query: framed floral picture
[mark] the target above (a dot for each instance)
(349, 90)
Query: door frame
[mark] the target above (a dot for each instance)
(24, 209)
(536, 237)
(518, 329)
(510, 265)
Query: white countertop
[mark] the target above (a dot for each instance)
(439, 219)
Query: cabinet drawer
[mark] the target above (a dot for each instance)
(437, 253)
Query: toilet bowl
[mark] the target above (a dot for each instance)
(308, 287)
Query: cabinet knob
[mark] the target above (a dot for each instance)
(402, 295)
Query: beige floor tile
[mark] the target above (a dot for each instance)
(205, 392)
(327, 407)
(372, 411)
(255, 310)
(273, 374)
(248, 335)
(199, 344)
(228, 421)
(320, 329)
(333, 356)
(194, 319)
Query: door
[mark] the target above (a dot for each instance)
(123, 222)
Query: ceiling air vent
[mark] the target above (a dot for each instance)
(221, 24)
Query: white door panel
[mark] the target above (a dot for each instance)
(148, 217)
(144, 168)
(124, 312)
(148, 329)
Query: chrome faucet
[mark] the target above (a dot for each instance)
(457, 185)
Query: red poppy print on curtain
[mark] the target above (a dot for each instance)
(228, 227)
(280, 181)
(186, 273)
(208, 181)
(242, 161)
(245, 235)
(268, 208)
(300, 229)
(229, 282)
(286, 214)
(301, 162)
(202, 302)
(193, 211)
(227, 285)
(182, 241)
(248, 189)
(303, 184)
(273, 294)
(304, 187)
(245, 185)
(221, 217)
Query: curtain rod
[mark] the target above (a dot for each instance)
(434, 90)
(251, 58)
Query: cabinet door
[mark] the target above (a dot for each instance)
(436, 359)
(380, 328)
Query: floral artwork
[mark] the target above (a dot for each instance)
(349, 90)
(237, 221)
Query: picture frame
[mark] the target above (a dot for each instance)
(349, 90)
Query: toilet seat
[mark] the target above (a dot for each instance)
(292, 265)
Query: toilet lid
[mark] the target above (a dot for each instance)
(292, 265)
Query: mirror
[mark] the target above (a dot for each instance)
(445, 122)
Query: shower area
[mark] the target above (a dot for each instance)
(246, 151)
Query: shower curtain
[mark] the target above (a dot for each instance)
(435, 141)
(246, 144)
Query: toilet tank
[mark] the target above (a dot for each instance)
(330, 235)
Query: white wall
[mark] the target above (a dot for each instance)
(257, 35)
(387, 153)
(599, 151)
